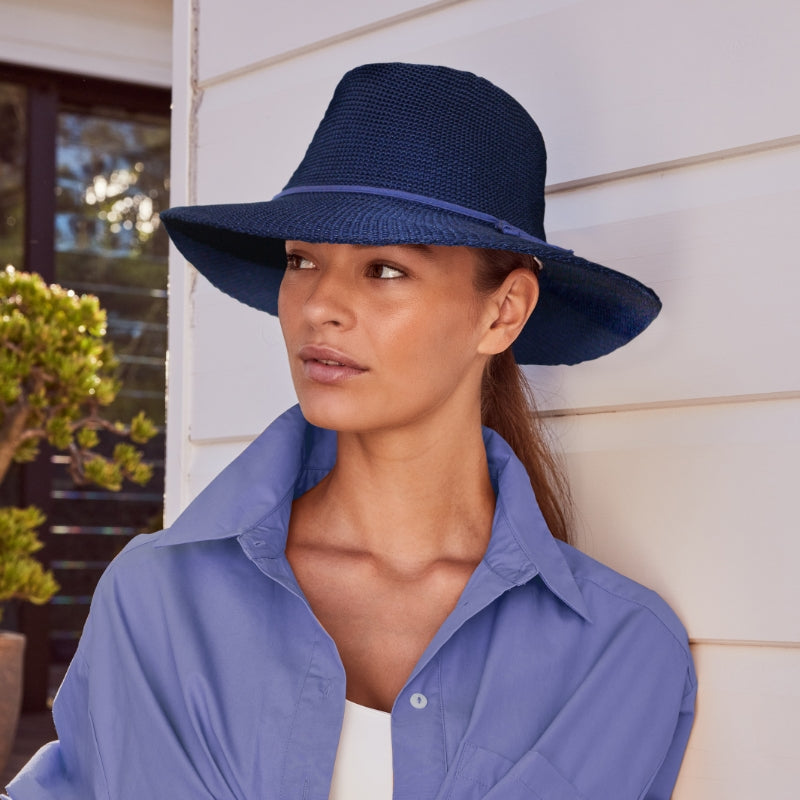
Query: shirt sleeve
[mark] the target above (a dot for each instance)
(664, 781)
(70, 768)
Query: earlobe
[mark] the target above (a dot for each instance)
(510, 307)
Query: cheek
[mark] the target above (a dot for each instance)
(435, 343)
(287, 312)
(456, 325)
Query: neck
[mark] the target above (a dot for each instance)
(409, 498)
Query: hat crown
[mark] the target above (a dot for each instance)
(431, 131)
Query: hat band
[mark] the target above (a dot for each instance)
(500, 224)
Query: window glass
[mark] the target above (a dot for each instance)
(111, 184)
(12, 174)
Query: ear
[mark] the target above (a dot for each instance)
(508, 309)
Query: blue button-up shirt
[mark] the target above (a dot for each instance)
(203, 673)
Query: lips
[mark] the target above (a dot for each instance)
(326, 365)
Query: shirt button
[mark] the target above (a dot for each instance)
(418, 700)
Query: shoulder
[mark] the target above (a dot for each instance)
(159, 604)
(612, 597)
(131, 584)
(138, 558)
(148, 580)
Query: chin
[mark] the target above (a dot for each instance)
(331, 413)
(346, 415)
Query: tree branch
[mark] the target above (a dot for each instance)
(11, 431)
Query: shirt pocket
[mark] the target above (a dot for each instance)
(484, 775)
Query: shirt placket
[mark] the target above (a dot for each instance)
(313, 738)
(418, 736)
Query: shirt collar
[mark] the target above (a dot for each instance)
(253, 496)
(522, 546)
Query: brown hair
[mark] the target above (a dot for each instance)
(508, 406)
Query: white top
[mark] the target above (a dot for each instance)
(363, 768)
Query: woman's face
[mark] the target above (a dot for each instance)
(381, 337)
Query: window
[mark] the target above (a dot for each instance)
(83, 174)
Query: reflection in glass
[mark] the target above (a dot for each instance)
(111, 183)
(12, 174)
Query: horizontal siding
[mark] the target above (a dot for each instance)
(209, 458)
(615, 84)
(239, 353)
(699, 504)
(286, 29)
(621, 84)
(744, 742)
(126, 41)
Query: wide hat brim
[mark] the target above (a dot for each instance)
(584, 311)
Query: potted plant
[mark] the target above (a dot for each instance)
(57, 372)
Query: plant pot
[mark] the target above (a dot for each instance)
(12, 646)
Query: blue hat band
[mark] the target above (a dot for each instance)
(500, 224)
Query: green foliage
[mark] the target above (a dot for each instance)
(130, 463)
(21, 576)
(57, 372)
(142, 429)
(26, 451)
(126, 463)
(87, 438)
(103, 472)
(54, 357)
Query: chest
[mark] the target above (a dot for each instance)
(380, 621)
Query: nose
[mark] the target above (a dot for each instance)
(329, 301)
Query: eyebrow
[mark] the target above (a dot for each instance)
(424, 250)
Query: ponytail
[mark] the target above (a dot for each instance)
(508, 407)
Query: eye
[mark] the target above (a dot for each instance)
(295, 261)
(384, 271)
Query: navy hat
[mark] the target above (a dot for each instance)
(417, 154)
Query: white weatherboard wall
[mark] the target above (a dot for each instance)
(673, 133)
(124, 41)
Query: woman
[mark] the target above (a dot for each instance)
(376, 598)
